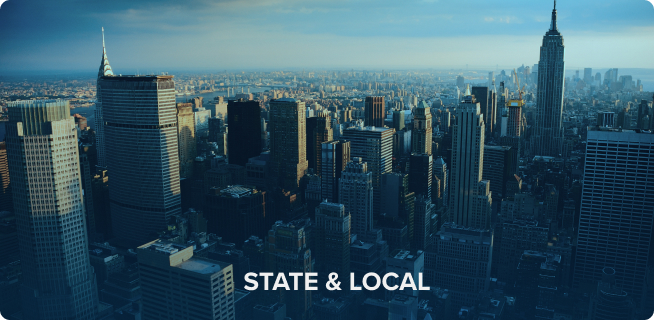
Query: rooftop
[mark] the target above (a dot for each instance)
(164, 247)
(202, 266)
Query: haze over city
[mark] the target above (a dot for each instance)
(154, 36)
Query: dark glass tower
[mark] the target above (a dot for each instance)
(244, 138)
(374, 112)
(548, 135)
(140, 127)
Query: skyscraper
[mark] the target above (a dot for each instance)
(5, 191)
(548, 128)
(335, 156)
(355, 193)
(333, 240)
(244, 138)
(287, 251)
(421, 174)
(374, 145)
(481, 94)
(58, 281)
(236, 212)
(421, 133)
(616, 218)
(469, 194)
(319, 130)
(288, 140)
(105, 71)
(196, 288)
(142, 154)
(500, 165)
(374, 111)
(186, 139)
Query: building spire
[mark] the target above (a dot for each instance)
(105, 68)
(553, 26)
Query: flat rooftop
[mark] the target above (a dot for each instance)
(202, 266)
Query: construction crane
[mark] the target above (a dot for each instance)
(517, 83)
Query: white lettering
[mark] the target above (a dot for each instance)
(249, 279)
(420, 287)
(377, 281)
(308, 281)
(385, 281)
(295, 275)
(265, 276)
(352, 285)
(408, 278)
(282, 283)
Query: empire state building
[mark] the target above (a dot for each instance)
(548, 135)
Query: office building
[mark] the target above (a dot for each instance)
(186, 139)
(287, 127)
(58, 281)
(201, 118)
(216, 128)
(275, 311)
(374, 112)
(422, 214)
(332, 229)
(142, 154)
(374, 145)
(244, 138)
(606, 119)
(482, 95)
(335, 156)
(356, 194)
(513, 127)
(512, 238)
(441, 173)
(319, 131)
(402, 262)
(398, 120)
(460, 82)
(177, 285)
(643, 115)
(470, 198)
(105, 71)
(236, 212)
(616, 218)
(548, 127)
(421, 174)
(286, 250)
(6, 203)
(538, 284)
(460, 261)
(609, 301)
(500, 165)
(421, 132)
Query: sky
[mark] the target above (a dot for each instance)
(151, 36)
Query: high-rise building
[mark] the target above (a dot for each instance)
(588, 76)
(401, 262)
(332, 250)
(460, 82)
(440, 172)
(538, 284)
(374, 145)
(548, 128)
(421, 174)
(244, 138)
(514, 119)
(186, 139)
(6, 203)
(616, 204)
(142, 155)
(643, 115)
(287, 127)
(335, 156)
(201, 117)
(319, 131)
(421, 132)
(470, 198)
(105, 71)
(460, 261)
(500, 165)
(397, 203)
(177, 285)
(609, 301)
(422, 222)
(356, 194)
(398, 120)
(58, 280)
(482, 95)
(236, 213)
(374, 112)
(287, 251)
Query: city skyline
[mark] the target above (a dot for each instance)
(424, 33)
